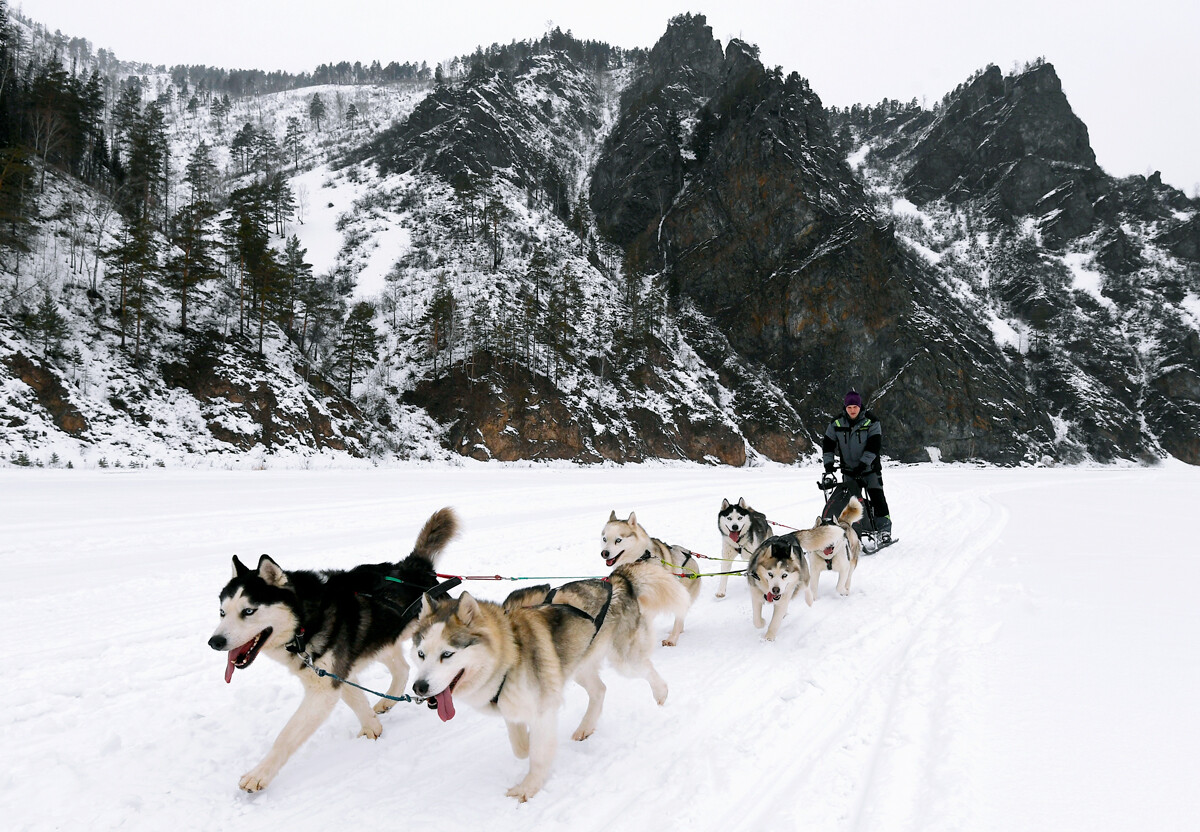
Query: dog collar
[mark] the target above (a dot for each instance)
(296, 645)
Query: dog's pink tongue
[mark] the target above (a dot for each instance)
(445, 706)
(229, 668)
(734, 536)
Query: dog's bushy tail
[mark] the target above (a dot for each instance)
(438, 530)
(852, 513)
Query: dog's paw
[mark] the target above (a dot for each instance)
(768, 637)
(720, 594)
(582, 734)
(383, 706)
(372, 730)
(669, 642)
(759, 623)
(524, 790)
(256, 780)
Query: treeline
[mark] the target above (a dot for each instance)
(205, 82)
(513, 58)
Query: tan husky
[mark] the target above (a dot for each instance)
(626, 543)
(514, 660)
(833, 548)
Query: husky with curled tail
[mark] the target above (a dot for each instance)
(627, 544)
(334, 620)
(833, 547)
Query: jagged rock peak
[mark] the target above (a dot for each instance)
(688, 44)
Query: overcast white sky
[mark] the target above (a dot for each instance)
(1131, 70)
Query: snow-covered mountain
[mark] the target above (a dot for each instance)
(578, 252)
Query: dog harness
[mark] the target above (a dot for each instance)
(829, 556)
(598, 620)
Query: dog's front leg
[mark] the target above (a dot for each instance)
(393, 660)
(518, 738)
(781, 607)
(319, 699)
(756, 602)
(543, 743)
(357, 700)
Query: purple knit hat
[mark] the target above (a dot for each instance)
(852, 398)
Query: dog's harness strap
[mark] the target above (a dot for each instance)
(496, 698)
(438, 591)
(598, 619)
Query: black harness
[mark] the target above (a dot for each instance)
(597, 621)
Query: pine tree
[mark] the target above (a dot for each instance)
(193, 259)
(358, 347)
(316, 110)
(293, 139)
(298, 274)
(48, 327)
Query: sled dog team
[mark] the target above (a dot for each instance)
(513, 659)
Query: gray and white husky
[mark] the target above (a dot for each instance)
(626, 542)
(338, 621)
(515, 659)
(743, 530)
(778, 572)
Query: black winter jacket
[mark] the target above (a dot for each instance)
(856, 443)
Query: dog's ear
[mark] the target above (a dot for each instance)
(468, 608)
(632, 519)
(741, 502)
(428, 605)
(612, 517)
(271, 572)
(239, 569)
(724, 505)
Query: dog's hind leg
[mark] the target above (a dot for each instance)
(319, 699)
(357, 700)
(844, 576)
(543, 744)
(518, 738)
(393, 660)
(588, 678)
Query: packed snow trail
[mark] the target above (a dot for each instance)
(1022, 659)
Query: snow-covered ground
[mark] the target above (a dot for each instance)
(1022, 659)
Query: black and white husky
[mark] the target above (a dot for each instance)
(337, 620)
(743, 530)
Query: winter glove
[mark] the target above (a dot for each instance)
(858, 471)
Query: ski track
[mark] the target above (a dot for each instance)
(120, 716)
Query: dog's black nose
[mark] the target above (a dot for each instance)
(420, 687)
(217, 642)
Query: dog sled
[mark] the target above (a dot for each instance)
(837, 496)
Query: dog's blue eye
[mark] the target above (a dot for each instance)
(222, 613)
(447, 655)
(618, 540)
(249, 611)
(421, 655)
(784, 575)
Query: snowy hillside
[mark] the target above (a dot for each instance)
(1002, 667)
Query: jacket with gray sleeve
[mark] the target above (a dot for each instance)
(857, 443)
